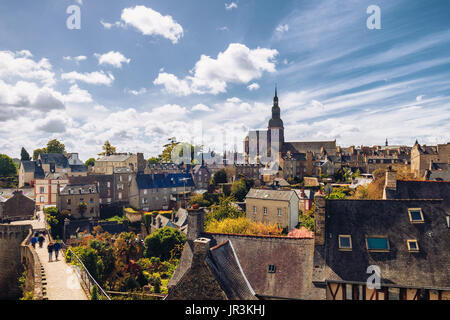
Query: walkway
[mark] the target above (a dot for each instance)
(61, 278)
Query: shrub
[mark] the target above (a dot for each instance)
(162, 241)
(242, 225)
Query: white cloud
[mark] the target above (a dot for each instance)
(77, 95)
(137, 92)
(77, 59)
(282, 28)
(54, 124)
(230, 6)
(237, 64)
(201, 107)
(224, 28)
(150, 22)
(316, 104)
(113, 58)
(91, 78)
(253, 86)
(419, 98)
(19, 65)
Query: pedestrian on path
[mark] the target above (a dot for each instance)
(33, 241)
(50, 251)
(41, 240)
(56, 248)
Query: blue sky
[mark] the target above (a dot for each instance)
(139, 72)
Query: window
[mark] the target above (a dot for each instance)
(120, 178)
(108, 184)
(254, 209)
(42, 199)
(279, 212)
(415, 215)
(345, 242)
(91, 200)
(92, 210)
(413, 246)
(129, 178)
(41, 190)
(265, 211)
(377, 244)
(271, 268)
(119, 195)
(145, 191)
(69, 202)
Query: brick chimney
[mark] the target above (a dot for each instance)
(195, 224)
(319, 218)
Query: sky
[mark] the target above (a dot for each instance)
(137, 73)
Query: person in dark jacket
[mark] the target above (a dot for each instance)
(41, 240)
(50, 251)
(56, 248)
(33, 242)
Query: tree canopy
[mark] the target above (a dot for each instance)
(7, 166)
(219, 177)
(90, 162)
(161, 242)
(108, 149)
(53, 146)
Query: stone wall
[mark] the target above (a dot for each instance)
(32, 265)
(11, 238)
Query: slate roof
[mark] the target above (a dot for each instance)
(79, 189)
(181, 217)
(160, 180)
(428, 268)
(31, 166)
(268, 194)
(308, 194)
(439, 166)
(115, 157)
(417, 189)
(78, 168)
(312, 146)
(225, 265)
(439, 175)
(57, 158)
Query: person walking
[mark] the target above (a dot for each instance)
(41, 240)
(56, 248)
(50, 251)
(34, 239)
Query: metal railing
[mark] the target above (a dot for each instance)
(87, 281)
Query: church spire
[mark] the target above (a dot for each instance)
(275, 98)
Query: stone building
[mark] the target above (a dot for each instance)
(201, 175)
(49, 163)
(16, 206)
(421, 156)
(70, 197)
(107, 164)
(160, 191)
(46, 189)
(273, 206)
(405, 240)
(122, 182)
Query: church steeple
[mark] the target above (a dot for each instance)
(275, 121)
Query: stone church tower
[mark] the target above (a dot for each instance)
(275, 125)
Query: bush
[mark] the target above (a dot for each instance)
(162, 242)
(242, 225)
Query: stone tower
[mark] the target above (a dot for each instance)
(275, 125)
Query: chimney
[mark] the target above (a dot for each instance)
(319, 217)
(390, 184)
(195, 224)
(201, 248)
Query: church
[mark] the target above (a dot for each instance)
(268, 147)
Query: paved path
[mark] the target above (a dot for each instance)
(62, 280)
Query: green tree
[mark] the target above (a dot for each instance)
(94, 293)
(54, 146)
(154, 160)
(147, 221)
(55, 220)
(24, 155)
(90, 162)
(108, 149)
(82, 207)
(224, 209)
(7, 166)
(219, 176)
(239, 190)
(166, 155)
(37, 152)
(162, 242)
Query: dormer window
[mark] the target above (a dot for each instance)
(271, 268)
(415, 215)
(413, 245)
(345, 242)
(377, 244)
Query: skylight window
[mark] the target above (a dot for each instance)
(415, 215)
(377, 244)
(345, 242)
(413, 245)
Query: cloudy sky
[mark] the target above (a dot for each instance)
(204, 71)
